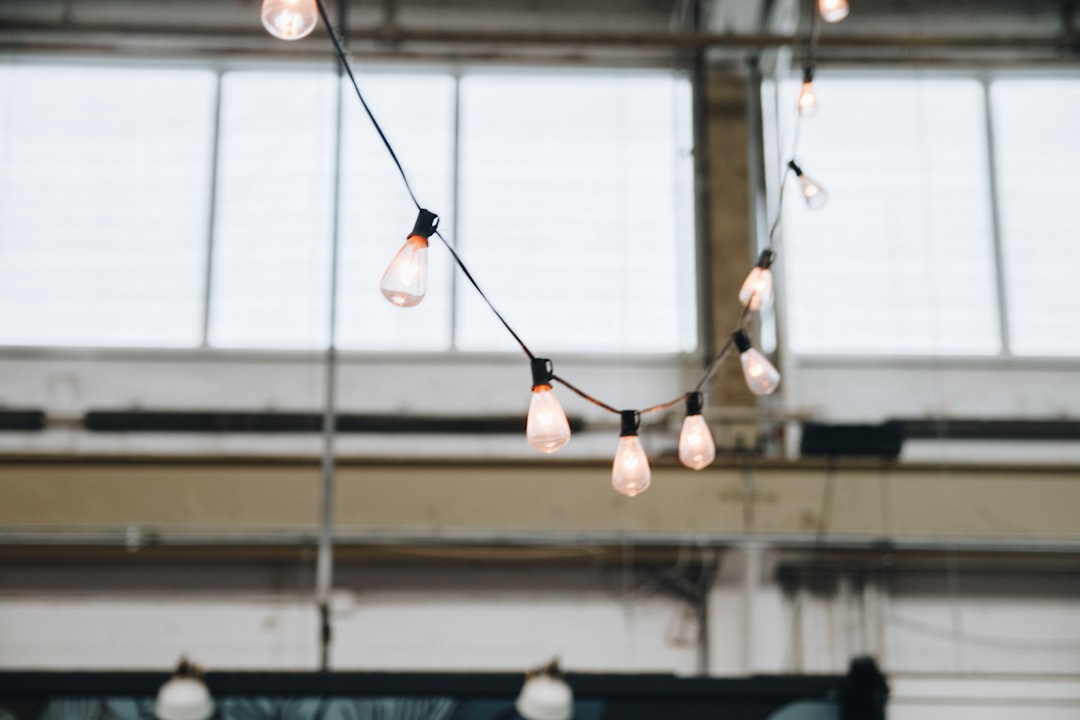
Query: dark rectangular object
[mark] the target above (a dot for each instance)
(824, 440)
(22, 420)
(167, 421)
(991, 429)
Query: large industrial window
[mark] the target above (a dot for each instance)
(103, 204)
(159, 207)
(948, 228)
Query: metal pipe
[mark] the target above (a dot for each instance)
(530, 539)
(211, 213)
(632, 40)
(324, 567)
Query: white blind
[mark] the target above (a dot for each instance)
(1037, 143)
(416, 111)
(900, 261)
(576, 211)
(274, 204)
(103, 204)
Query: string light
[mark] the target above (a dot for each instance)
(405, 283)
(815, 195)
(761, 377)
(757, 290)
(405, 280)
(833, 11)
(630, 473)
(807, 97)
(289, 19)
(697, 449)
(547, 428)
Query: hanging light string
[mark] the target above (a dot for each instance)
(631, 474)
(710, 368)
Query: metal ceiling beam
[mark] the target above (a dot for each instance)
(30, 33)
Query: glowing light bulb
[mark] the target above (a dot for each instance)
(757, 289)
(807, 98)
(405, 280)
(547, 428)
(760, 375)
(696, 446)
(815, 195)
(289, 19)
(630, 473)
(833, 11)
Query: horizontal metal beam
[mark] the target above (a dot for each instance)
(28, 34)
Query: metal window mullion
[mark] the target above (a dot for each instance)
(211, 213)
(995, 222)
(455, 207)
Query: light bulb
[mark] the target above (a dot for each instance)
(547, 428)
(807, 98)
(185, 696)
(833, 11)
(630, 474)
(815, 195)
(757, 289)
(760, 375)
(696, 446)
(405, 280)
(289, 19)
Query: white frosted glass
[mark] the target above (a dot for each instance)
(1037, 144)
(575, 211)
(900, 260)
(416, 111)
(275, 198)
(103, 204)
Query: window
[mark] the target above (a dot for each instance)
(1037, 142)
(103, 204)
(568, 193)
(902, 260)
(274, 210)
(571, 206)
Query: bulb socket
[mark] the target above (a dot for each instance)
(808, 74)
(695, 401)
(795, 168)
(427, 223)
(631, 421)
(742, 343)
(766, 259)
(542, 371)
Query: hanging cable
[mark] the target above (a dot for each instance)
(762, 378)
(343, 56)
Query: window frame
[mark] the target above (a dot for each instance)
(455, 72)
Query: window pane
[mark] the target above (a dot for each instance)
(103, 204)
(274, 204)
(1037, 143)
(900, 261)
(575, 211)
(417, 114)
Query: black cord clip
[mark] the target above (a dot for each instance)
(742, 343)
(427, 223)
(542, 371)
(631, 421)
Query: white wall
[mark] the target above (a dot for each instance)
(956, 642)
